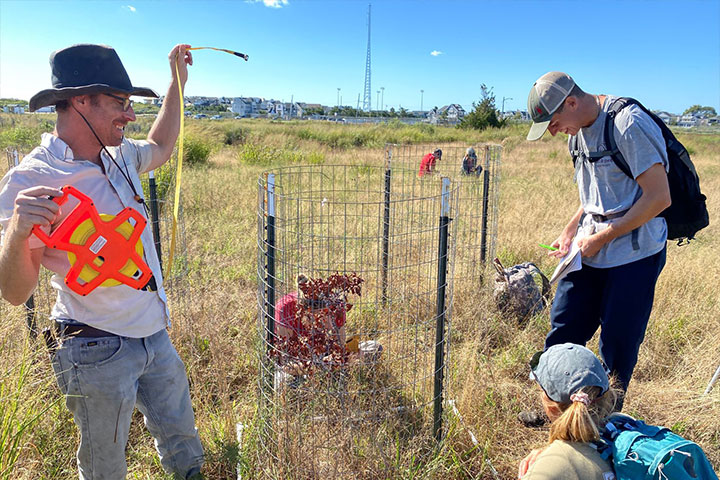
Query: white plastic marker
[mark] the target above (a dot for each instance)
(181, 138)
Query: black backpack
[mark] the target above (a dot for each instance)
(688, 213)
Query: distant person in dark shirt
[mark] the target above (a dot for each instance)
(470, 165)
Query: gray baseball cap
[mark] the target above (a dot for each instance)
(546, 96)
(563, 369)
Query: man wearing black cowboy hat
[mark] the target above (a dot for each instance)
(113, 352)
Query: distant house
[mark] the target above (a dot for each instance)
(516, 115)
(296, 109)
(275, 108)
(449, 114)
(688, 121)
(241, 107)
(665, 117)
(14, 109)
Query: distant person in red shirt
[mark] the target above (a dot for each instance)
(427, 164)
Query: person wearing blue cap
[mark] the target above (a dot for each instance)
(578, 398)
(110, 348)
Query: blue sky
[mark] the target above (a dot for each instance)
(665, 53)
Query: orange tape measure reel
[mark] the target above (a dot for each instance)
(103, 250)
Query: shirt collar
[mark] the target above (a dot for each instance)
(57, 147)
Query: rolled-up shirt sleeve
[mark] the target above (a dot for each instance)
(12, 184)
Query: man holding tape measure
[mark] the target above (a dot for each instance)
(110, 347)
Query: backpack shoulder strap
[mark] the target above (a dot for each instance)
(574, 152)
(610, 143)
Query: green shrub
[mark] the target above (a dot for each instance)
(236, 136)
(254, 154)
(197, 151)
(21, 137)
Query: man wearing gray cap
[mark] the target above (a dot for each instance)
(110, 348)
(616, 227)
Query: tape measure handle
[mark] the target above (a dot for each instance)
(44, 237)
(67, 190)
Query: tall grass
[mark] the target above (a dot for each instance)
(216, 333)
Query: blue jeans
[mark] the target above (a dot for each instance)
(617, 299)
(103, 379)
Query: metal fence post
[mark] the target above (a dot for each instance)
(270, 277)
(30, 316)
(386, 227)
(440, 311)
(485, 199)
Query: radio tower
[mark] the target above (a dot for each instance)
(367, 102)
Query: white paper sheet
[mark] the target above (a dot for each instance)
(569, 263)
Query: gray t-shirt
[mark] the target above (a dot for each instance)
(605, 189)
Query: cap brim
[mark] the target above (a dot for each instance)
(537, 130)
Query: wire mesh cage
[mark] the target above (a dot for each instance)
(348, 380)
(478, 184)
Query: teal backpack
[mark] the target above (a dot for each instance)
(645, 452)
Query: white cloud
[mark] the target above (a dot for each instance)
(271, 3)
(131, 8)
(435, 53)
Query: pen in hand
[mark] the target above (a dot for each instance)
(552, 249)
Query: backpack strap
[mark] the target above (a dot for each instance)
(612, 149)
(616, 423)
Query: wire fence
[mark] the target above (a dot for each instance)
(325, 415)
(475, 239)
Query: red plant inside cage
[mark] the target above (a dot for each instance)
(322, 303)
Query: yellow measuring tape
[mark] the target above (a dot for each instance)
(181, 140)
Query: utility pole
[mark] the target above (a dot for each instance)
(421, 100)
(377, 102)
(338, 97)
(382, 98)
(503, 104)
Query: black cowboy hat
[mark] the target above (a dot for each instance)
(86, 69)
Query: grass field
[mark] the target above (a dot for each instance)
(215, 314)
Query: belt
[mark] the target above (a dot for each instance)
(604, 218)
(80, 330)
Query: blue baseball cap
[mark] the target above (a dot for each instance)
(564, 369)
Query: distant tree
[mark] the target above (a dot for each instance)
(403, 112)
(314, 111)
(705, 111)
(484, 114)
(145, 108)
(13, 101)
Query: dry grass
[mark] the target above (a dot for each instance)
(216, 335)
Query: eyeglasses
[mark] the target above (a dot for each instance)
(126, 102)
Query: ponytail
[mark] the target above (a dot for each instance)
(582, 419)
